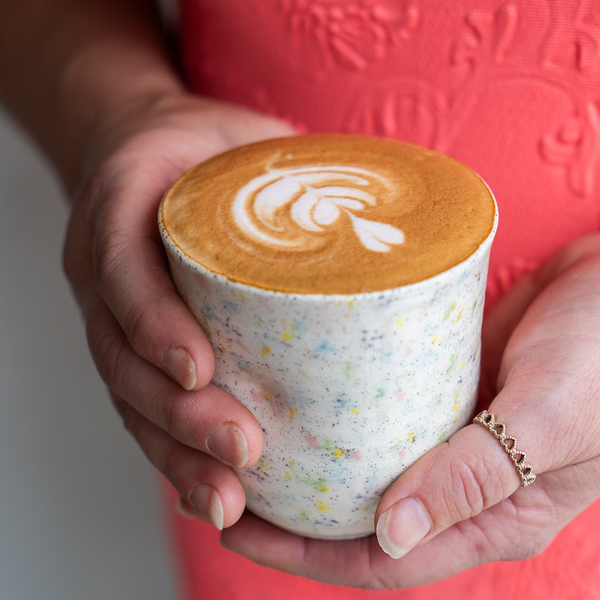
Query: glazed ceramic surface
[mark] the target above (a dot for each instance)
(349, 390)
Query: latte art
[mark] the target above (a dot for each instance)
(316, 197)
(328, 214)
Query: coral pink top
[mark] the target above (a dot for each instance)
(511, 89)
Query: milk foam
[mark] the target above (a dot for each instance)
(328, 214)
(316, 197)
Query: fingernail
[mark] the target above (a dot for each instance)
(181, 367)
(229, 444)
(402, 527)
(183, 508)
(206, 499)
(207, 506)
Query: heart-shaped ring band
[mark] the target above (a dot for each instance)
(488, 420)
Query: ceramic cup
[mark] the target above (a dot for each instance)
(350, 390)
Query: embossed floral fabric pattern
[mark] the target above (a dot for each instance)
(350, 34)
(511, 88)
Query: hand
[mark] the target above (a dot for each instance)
(147, 346)
(460, 505)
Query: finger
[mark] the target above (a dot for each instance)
(548, 403)
(358, 563)
(499, 325)
(452, 483)
(473, 472)
(129, 263)
(132, 276)
(327, 561)
(210, 489)
(209, 420)
(245, 126)
(561, 321)
(517, 528)
(496, 331)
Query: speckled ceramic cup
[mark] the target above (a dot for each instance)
(350, 389)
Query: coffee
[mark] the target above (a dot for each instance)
(330, 214)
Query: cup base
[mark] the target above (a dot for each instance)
(325, 534)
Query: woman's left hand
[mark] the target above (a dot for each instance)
(461, 504)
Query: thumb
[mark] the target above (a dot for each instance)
(239, 125)
(452, 482)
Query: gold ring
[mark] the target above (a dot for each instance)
(488, 420)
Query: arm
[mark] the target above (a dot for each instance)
(67, 65)
(91, 82)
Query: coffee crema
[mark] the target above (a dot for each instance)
(329, 214)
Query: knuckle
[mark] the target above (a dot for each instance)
(522, 548)
(77, 249)
(142, 315)
(539, 546)
(368, 575)
(119, 404)
(485, 543)
(181, 468)
(531, 549)
(176, 417)
(106, 178)
(108, 257)
(473, 488)
(169, 457)
(108, 349)
(530, 534)
(141, 319)
(98, 183)
(132, 421)
(379, 581)
(173, 467)
(70, 261)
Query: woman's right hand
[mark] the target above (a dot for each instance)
(147, 346)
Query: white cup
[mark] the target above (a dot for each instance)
(349, 389)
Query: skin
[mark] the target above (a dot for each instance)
(112, 115)
(541, 353)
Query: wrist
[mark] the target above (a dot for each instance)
(101, 92)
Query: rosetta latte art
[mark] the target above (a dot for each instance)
(314, 198)
(328, 214)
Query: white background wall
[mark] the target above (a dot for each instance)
(79, 510)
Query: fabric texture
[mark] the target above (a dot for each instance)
(511, 89)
